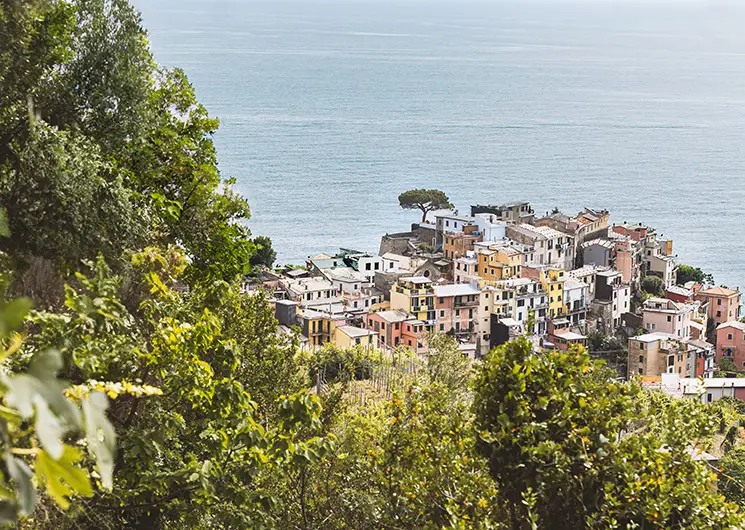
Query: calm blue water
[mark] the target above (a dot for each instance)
(330, 109)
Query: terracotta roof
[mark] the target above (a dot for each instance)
(718, 291)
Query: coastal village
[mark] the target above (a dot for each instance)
(502, 271)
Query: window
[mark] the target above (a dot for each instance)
(708, 398)
(390, 265)
(396, 326)
(368, 266)
(442, 313)
(382, 325)
(355, 286)
(729, 336)
(442, 327)
(719, 313)
(719, 301)
(457, 312)
(355, 303)
(641, 371)
(470, 313)
(447, 223)
(669, 318)
(409, 342)
(377, 265)
(441, 300)
(357, 340)
(641, 358)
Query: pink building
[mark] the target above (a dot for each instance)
(635, 232)
(456, 309)
(397, 328)
(731, 342)
(679, 294)
(724, 304)
(666, 316)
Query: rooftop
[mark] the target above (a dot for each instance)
(309, 284)
(654, 337)
(353, 331)
(416, 279)
(569, 335)
(394, 316)
(676, 289)
(719, 291)
(573, 283)
(456, 289)
(344, 274)
(732, 324)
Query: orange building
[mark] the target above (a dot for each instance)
(456, 245)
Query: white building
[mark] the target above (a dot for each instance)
(491, 228)
(551, 247)
(449, 223)
(706, 390)
(311, 291)
(346, 279)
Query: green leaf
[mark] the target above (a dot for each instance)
(62, 477)
(13, 313)
(21, 475)
(48, 429)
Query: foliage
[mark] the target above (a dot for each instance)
(731, 481)
(653, 285)
(578, 446)
(201, 442)
(41, 426)
(101, 150)
(264, 254)
(727, 368)
(424, 200)
(447, 365)
(686, 274)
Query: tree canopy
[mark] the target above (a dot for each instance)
(686, 274)
(424, 200)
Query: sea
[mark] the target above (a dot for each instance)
(330, 109)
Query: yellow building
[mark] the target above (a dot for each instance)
(512, 261)
(415, 296)
(499, 262)
(317, 326)
(348, 336)
(552, 280)
(489, 267)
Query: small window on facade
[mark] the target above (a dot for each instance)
(641, 358)
(708, 398)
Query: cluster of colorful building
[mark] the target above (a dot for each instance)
(487, 277)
